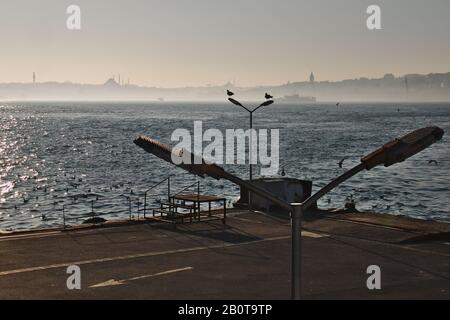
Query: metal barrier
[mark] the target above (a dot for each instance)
(188, 187)
(92, 205)
(67, 203)
(93, 201)
(152, 188)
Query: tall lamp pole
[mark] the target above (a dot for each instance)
(391, 153)
(250, 151)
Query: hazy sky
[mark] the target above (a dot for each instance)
(198, 42)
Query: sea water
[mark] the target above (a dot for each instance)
(80, 157)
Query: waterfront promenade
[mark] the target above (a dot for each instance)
(249, 258)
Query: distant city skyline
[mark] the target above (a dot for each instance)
(433, 87)
(118, 79)
(178, 43)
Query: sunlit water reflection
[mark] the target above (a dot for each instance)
(55, 154)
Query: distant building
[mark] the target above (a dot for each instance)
(34, 77)
(111, 83)
(311, 77)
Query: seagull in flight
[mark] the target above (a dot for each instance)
(229, 93)
(268, 96)
(340, 163)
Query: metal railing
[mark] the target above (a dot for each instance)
(152, 188)
(97, 206)
(197, 183)
(92, 203)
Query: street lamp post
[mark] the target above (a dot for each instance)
(250, 151)
(391, 153)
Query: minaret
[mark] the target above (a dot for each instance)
(311, 77)
(34, 77)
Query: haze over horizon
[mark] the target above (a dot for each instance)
(115, 77)
(183, 43)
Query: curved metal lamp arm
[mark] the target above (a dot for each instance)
(237, 103)
(333, 184)
(264, 104)
(393, 152)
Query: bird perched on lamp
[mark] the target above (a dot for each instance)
(268, 96)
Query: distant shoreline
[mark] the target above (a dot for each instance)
(208, 102)
(434, 87)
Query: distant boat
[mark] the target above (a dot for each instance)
(296, 98)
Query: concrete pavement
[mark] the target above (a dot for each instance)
(249, 258)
